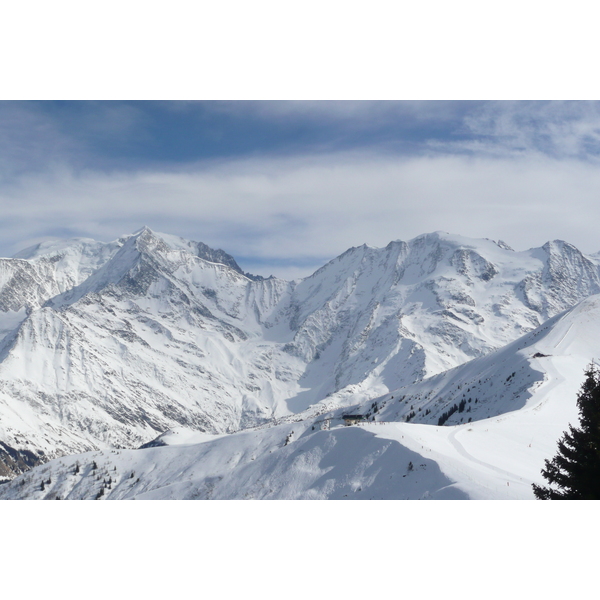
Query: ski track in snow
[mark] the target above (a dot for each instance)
(564, 336)
(461, 450)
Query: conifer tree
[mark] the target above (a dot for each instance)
(574, 472)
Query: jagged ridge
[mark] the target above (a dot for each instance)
(108, 345)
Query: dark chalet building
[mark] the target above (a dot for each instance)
(352, 419)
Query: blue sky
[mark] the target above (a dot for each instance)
(286, 185)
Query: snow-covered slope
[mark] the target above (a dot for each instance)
(142, 344)
(337, 464)
(317, 457)
(109, 345)
(375, 319)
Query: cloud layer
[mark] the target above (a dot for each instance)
(286, 216)
(521, 172)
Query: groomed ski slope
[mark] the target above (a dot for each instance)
(499, 457)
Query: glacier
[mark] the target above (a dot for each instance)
(239, 382)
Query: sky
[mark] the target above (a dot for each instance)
(286, 185)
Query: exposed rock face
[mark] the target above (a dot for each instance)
(108, 345)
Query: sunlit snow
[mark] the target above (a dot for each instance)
(242, 382)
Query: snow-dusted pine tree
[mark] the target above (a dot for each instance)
(574, 473)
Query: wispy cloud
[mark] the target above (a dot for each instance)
(557, 128)
(306, 209)
(29, 140)
(37, 136)
(354, 113)
(522, 172)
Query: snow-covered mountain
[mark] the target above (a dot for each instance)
(143, 343)
(106, 346)
(378, 318)
(516, 423)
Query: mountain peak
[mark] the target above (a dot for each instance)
(453, 239)
(142, 230)
(166, 241)
(165, 332)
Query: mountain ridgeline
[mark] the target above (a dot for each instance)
(108, 345)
